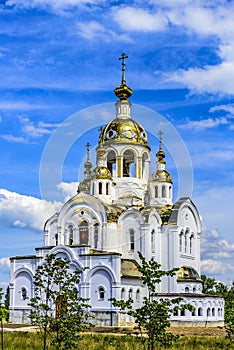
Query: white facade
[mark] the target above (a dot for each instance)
(121, 209)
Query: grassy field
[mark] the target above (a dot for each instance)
(26, 340)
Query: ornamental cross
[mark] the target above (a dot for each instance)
(122, 58)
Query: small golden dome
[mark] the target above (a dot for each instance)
(84, 186)
(187, 273)
(101, 172)
(123, 92)
(124, 130)
(161, 176)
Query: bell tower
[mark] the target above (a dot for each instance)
(127, 153)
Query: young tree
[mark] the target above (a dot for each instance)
(57, 308)
(154, 315)
(2, 316)
(7, 303)
(229, 313)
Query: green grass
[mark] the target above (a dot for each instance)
(32, 341)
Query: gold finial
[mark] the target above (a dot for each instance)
(123, 91)
(160, 154)
(122, 58)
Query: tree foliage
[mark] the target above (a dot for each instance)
(57, 308)
(153, 316)
(211, 286)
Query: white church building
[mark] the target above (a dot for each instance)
(120, 209)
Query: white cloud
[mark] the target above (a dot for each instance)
(205, 123)
(137, 19)
(214, 267)
(68, 188)
(20, 106)
(57, 6)
(36, 129)
(15, 139)
(94, 30)
(18, 210)
(213, 79)
(5, 262)
(226, 108)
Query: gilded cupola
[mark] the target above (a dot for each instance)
(161, 175)
(123, 129)
(84, 185)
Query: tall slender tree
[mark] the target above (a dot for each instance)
(57, 308)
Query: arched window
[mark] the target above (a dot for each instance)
(130, 293)
(93, 188)
(176, 312)
(182, 312)
(56, 238)
(191, 245)
(100, 188)
(208, 312)
(144, 162)
(163, 191)
(84, 232)
(186, 241)
(101, 293)
(219, 312)
(129, 166)
(131, 240)
(138, 295)
(111, 163)
(170, 192)
(70, 235)
(95, 236)
(156, 192)
(186, 289)
(213, 311)
(181, 241)
(123, 294)
(194, 290)
(107, 188)
(200, 313)
(24, 293)
(153, 241)
(194, 312)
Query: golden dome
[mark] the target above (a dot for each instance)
(124, 130)
(161, 176)
(101, 172)
(83, 186)
(187, 273)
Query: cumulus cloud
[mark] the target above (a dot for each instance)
(205, 123)
(226, 118)
(94, 30)
(213, 79)
(68, 188)
(213, 247)
(138, 19)
(229, 108)
(213, 267)
(4, 262)
(23, 211)
(36, 129)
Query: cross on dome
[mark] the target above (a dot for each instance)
(122, 58)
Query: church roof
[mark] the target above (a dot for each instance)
(129, 269)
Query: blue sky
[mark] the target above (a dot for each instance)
(60, 57)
